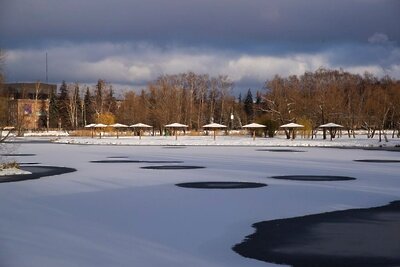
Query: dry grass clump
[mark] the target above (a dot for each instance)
(195, 133)
(80, 133)
(104, 132)
(9, 165)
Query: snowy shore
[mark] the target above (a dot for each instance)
(280, 141)
(12, 171)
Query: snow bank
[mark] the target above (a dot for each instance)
(12, 171)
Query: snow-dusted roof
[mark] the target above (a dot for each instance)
(331, 125)
(292, 125)
(7, 128)
(214, 125)
(100, 125)
(118, 125)
(254, 125)
(176, 125)
(140, 125)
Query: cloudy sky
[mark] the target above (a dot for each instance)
(131, 42)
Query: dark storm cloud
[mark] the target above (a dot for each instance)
(236, 24)
(131, 42)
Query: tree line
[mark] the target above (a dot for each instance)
(354, 101)
(187, 98)
(314, 98)
(71, 108)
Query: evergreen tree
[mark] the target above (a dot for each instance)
(99, 99)
(63, 91)
(53, 111)
(63, 100)
(88, 113)
(258, 98)
(78, 106)
(249, 106)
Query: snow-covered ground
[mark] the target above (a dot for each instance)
(360, 141)
(35, 133)
(46, 133)
(121, 215)
(12, 171)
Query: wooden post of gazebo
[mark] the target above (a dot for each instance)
(91, 126)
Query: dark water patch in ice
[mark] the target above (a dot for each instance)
(313, 178)
(280, 150)
(172, 167)
(378, 160)
(39, 142)
(17, 155)
(356, 237)
(28, 163)
(221, 185)
(136, 161)
(381, 148)
(392, 149)
(36, 173)
(116, 161)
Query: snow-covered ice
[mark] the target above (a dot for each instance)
(121, 215)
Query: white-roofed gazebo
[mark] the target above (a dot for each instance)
(291, 127)
(254, 126)
(176, 126)
(332, 128)
(214, 126)
(141, 126)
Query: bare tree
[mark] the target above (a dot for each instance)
(74, 104)
(280, 101)
(2, 60)
(225, 87)
(314, 98)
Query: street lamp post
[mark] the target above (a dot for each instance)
(232, 118)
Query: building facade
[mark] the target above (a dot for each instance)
(28, 104)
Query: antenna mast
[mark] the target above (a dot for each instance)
(47, 77)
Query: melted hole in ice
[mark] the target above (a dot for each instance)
(172, 167)
(135, 161)
(221, 185)
(280, 150)
(17, 155)
(338, 238)
(36, 173)
(313, 178)
(378, 160)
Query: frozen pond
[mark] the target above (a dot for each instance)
(119, 214)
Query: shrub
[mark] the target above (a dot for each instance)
(272, 126)
(9, 165)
